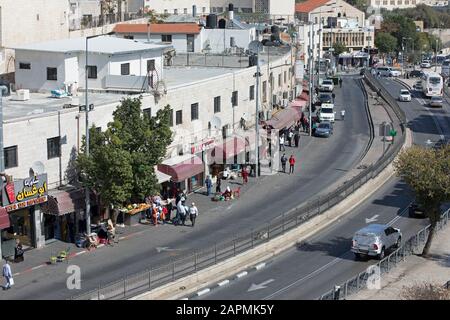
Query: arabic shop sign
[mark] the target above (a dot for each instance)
(25, 192)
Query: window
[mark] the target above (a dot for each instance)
(185, 10)
(179, 117)
(234, 99)
(128, 37)
(279, 80)
(166, 11)
(24, 65)
(385, 2)
(190, 38)
(406, 2)
(171, 118)
(194, 111)
(264, 91)
(175, 11)
(392, 2)
(10, 155)
(285, 77)
(53, 147)
(92, 72)
(219, 9)
(246, 10)
(166, 38)
(252, 93)
(217, 104)
(400, 2)
(52, 74)
(37, 17)
(151, 65)
(147, 112)
(98, 129)
(125, 69)
(203, 9)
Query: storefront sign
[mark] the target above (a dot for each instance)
(202, 147)
(25, 192)
(24, 204)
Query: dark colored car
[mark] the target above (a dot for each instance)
(415, 210)
(416, 73)
(324, 129)
(362, 71)
(441, 143)
(324, 98)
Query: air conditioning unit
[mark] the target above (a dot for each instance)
(23, 94)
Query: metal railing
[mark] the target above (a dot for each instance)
(155, 277)
(363, 279)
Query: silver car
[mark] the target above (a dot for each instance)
(436, 101)
(375, 240)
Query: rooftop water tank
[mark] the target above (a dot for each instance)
(211, 21)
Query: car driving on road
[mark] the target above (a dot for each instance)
(436, 101)
(395, 72)
(324, 129)
(416, 73)
(404, 95)
(375, 240)
(425, 64)
(416, 210)
(324, 98)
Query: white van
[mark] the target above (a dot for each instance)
(326, 112)
(432, 84)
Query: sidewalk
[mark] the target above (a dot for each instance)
(210, 211)
(415, 270)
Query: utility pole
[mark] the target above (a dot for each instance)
(2, 158)
(435, 55)
(311, 74)
(87, 194)
(258, 74)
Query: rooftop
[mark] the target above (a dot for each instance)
(310, 5)
(159, 28)
(102, 44)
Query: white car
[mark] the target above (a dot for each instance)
(375, 240)
(395, 73)
(405, 95)
(326, 85)
(425, 64)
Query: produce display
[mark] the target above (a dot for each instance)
(135, 208)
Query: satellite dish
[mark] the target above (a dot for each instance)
(38, 168)
(255, 46)
(216, 123)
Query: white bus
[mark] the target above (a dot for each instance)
(432, 84)
(445, 71)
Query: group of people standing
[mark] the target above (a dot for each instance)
(292, 136)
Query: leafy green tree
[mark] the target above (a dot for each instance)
(359, 4)
(339, 48)
(399, 26)
(427, 172)
(121, 163)
(385, 42)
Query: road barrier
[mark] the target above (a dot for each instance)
(158, 276)
(365, 279)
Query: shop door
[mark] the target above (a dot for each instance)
(49, 227)
(22, 226)
(190, 42)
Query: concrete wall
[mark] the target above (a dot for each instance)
(340, 7)
(170, 5)
(216, 38)
(179, 41)
(30, 134)
(282, 7)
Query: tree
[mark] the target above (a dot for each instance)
(427, 172)
(339, 48)
(399, 26)
(153, 17)
(120, 166)
(359, 4)
(385, 42)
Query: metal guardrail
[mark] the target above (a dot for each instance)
(363, 279)
(155, 277)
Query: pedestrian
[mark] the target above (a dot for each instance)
(283, 162)
(18, 252)
(296, 139)
(7, 274)
(169, 209)
(304, 124)
(314, 127)
(291, 137)
(208, 184)
(342, 115)
(282, 142)
(218, 185)
(333, 96)
(181, 213)
(340, 82)
(244, 174)
(291, 164)
(193, 213)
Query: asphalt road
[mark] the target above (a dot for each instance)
(321, 163)
(307, 271)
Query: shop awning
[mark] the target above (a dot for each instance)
(63, 202)
(4, 219)
(231, 147)
(162, 177)
(182, 167)
(304, 96)
(298, 103)
(285, 118)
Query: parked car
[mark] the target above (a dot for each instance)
(436, 101)
(425, 64)
(416, 210)
(441, 143)
(418, 86)
(325, 98)
(384, 71)
(326, 85)
(395, 72)
(416, 73)
(324, 129)
(405, 95)
(375, 240)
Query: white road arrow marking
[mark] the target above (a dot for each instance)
(262, 285)
(160, 249)
(373, 219)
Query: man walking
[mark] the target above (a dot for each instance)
(208, 184)
(296, 139)
(291, 137)
(340, 82)
(333, 96)
(283, 162)
(291, 164)
(181, 213)
(219, 185)
(7, 274)
(193, 213)
(342, 115)
(282, 142)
